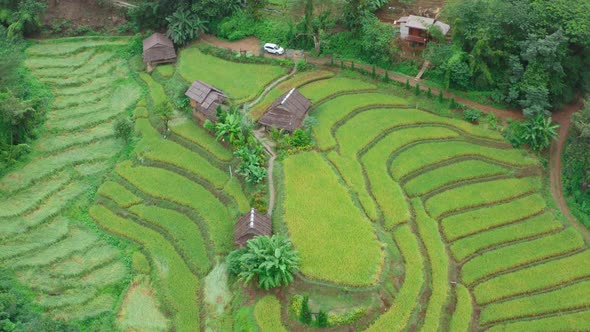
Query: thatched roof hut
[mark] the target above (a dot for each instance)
(250, 225)
(287, 112)
(158, 48)
(205, 98)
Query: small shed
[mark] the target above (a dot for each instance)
(415, 28)
(204, 99)
(157, 49)
(250, 225)
(287, 112)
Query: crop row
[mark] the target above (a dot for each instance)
(41, 237)
(352, 173)
(172, 187)
(334, 110)
(60, 47)
(62, 102)
(423, 155)
(98, 305)
(179, 286)
(569, 297)
(439, 266)
(56, 143)
(125, 96)
(102, 276)
(396, 318)
(61, 115)
(387, 192)
(29, 198)
(351, 254)
(267, 313)
(462, 316)
(45, 166)
(478, 194)
(198, 136)
(183, 230)
(450, 174)
(294, 82)
(577, 321)
(550, 274)
(534, 226)
(318, 90)
(77, 239)
(153, 146)
(520, 254)
(50, 208)
(66, 63)
(478, 220)
(118, 194)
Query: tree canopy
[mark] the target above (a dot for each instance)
(533, 53)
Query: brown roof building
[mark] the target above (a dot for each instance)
(251, 225)
(158, 48)
(205, 98)
(287, 112)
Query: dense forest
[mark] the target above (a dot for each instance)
(535, 54)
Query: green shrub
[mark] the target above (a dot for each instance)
(417, 89)
(322, 319)
(269, 259)
(408, 86)
(123, 128)
(305, 314)
(471, 115)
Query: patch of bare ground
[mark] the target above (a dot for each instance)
(83, 13)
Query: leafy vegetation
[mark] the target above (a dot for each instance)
(269, 259)
(529, 52)
(576, 170)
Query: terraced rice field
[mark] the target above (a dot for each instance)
(74, 272)
(481, 248)
(178, 202)
(241, 82)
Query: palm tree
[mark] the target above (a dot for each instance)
(184, 25)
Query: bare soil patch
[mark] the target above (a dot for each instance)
(83, 12)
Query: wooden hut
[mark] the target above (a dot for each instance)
(157, 49)
(250, 225)
(287, 112)
(204, 99)
(415, 28)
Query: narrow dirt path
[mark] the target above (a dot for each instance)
(270, 87)
(261, 137)
(563, 117)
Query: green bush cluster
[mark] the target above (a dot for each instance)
(230, 55)
(471, 115)
(270, 260)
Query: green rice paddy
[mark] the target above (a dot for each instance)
(422, 221)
